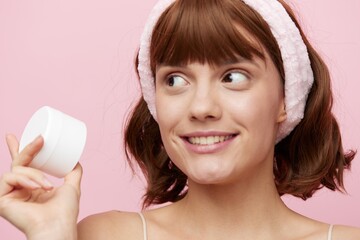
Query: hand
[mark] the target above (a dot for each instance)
(30, 202)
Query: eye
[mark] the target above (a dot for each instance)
(176, 81)
(235, 77)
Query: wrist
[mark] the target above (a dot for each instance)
(53, 236)
(54, 231)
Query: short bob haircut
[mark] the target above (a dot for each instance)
(308, 159)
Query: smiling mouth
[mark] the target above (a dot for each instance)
(209, 140)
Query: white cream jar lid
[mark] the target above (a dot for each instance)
(64, 140)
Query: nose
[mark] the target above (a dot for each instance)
(205, 104)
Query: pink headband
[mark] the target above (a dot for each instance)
(298, 73)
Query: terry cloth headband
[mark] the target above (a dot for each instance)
(298, 73)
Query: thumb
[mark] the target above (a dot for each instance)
(74, 178)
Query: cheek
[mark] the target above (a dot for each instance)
(257, 112)
(170, 112)
(172, 106)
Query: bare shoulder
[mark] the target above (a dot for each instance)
(111, 225)
(345, 232)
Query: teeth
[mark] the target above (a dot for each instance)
(208, 140)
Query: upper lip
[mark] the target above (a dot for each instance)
(208, 134)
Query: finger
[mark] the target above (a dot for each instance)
(10, 181)
(13, 145)
(34, 175)
(29, 152)
(74, 178)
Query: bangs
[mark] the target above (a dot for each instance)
(205, 31)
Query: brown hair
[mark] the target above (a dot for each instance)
(207, 31)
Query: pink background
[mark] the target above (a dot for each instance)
(77, 56)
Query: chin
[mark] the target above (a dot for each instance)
(210, 178)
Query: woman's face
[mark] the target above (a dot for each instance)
(219, 123)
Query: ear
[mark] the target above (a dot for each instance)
(282, 112)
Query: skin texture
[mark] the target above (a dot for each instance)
(231, 190)
(204, 102)
(225, 201)
(30, 202)
(227, 187)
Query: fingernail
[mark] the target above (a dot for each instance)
(36, 140)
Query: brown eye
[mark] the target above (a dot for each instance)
(235, 77)
(176, 81)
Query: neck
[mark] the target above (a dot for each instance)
(247, 206)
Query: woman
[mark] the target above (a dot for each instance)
(236, 111)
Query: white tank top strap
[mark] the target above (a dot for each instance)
(331, 227)
(144, 225)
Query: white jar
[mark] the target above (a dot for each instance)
(64, 141)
